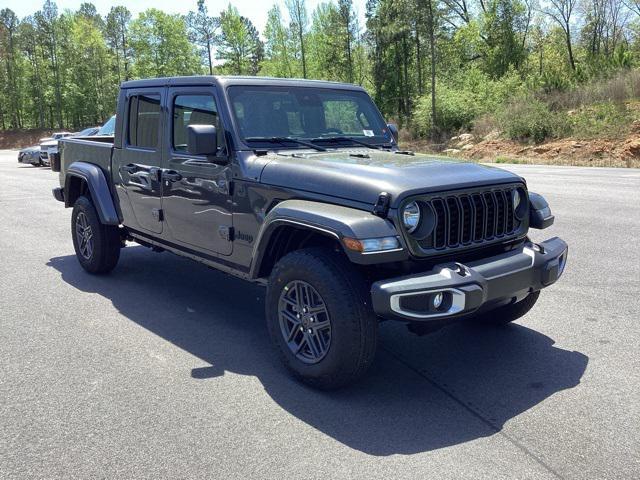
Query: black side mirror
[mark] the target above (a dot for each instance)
(393, 128)
(202, 140)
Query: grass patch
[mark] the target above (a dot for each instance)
(500, 159)
(606, 120)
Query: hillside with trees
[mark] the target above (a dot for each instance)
(523, 71)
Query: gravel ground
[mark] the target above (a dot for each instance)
(164, 368)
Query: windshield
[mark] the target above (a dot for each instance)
(263, 112)
(109, 128)
(87, 132)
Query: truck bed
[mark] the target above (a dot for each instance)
(96, 150)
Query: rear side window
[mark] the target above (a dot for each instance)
(144, 121)
(193, 110)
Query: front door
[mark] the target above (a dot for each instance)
(196, 190)
(139, 160)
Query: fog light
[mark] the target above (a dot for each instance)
(562, 261)
(436, 300)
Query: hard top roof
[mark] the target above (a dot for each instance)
(225, 81)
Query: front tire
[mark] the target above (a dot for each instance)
(508, 313)
(97, 246)
(320, 318)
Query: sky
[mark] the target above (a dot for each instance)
(255, 10)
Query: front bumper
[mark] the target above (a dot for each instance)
(466, 288)
(27, 158)
(58, 194)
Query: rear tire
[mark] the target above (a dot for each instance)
(508, 313)
(97, 246)
(344, 350)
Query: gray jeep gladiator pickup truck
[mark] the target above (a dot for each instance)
(300, 185)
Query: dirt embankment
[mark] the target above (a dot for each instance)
(601, 152)
(22, 138)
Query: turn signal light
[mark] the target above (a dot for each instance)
(371, 245)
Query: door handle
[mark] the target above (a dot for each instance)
(171, 176)
(130, 168)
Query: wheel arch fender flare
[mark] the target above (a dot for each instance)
(333, 221)
(98, 187)
(540, 215)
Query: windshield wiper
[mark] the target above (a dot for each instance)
(347, 139)
(284, 140)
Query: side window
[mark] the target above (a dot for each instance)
(193, 110)
(144, 121)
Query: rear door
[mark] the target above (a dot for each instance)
(196, 191)
(139, 161)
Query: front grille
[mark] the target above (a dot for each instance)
(469, 218)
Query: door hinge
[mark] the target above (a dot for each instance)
(158, 214)
(226, 233)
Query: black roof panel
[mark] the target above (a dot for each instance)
(225, 81)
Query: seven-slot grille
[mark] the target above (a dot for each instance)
(471, 218)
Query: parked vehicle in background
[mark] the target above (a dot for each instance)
(30, 156)
(108, 129)
(300, 185)
(53, 145)
(87, 132)
(50, 143)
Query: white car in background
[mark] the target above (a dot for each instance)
(51, 143)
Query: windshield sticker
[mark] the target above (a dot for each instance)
(368, 133)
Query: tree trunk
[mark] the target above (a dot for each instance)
(209, 56)
(304, 60)
(432, 46)
(124, 52)
(418, 60)
(301, 36)
(567, 32)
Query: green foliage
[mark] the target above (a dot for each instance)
(500, 159)
(600, 120)
(464, 98)
(161, 46)
(503, 25)
(202, 31)
(482, 62)
(529, 119)
(117, 39)
(279, 58)
(240, 46)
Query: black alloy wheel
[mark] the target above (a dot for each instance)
(305, 323)
(84, 236)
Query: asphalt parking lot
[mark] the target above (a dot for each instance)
(164, 368)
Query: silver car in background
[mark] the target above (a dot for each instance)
(30, 156)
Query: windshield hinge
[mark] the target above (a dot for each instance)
(381, 208)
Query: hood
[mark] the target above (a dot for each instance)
(35, 148)
(50, 143)
(361, 175)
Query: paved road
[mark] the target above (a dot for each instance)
(164, 369)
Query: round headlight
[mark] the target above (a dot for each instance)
(516, 199)
(519, 203)
(411, 217)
